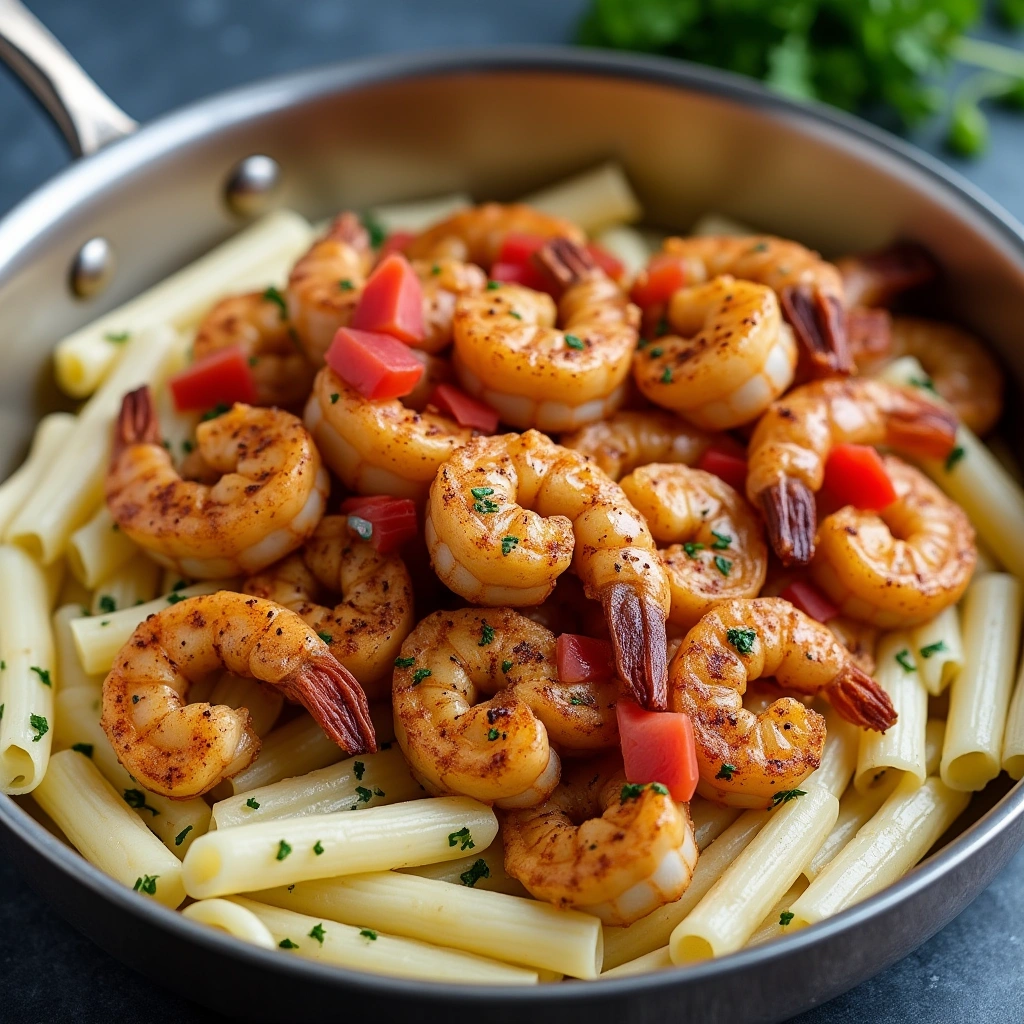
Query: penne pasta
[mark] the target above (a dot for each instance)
(491, 924)
(777, 920)
(486, 871)
(98, 548)
(719, 224)
(363, 949)
(938, 649)
(596, 199)
(268, 854)
(839, 759)
(69, 672)
(417, 215)
(901, 748)
(27, 669)
(264, 702)
(656, 960)
(134, 583)
(627, 245)
(51, 435)
(1013, 735)
(232, 918)
(710, 820)
(980, 695)
(105, 831)
(724, 920)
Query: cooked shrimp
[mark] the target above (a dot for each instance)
(365, 629)
(901, 566)
(497, 749)
(379, 447)
(476, 235)
(601, 845)
(268, 500)
(727, 357)
(790, 445)
(444, 281)
(280, 371)
(509, 352)
(507, 516)
(746, 760)
(810, 290)
(717, 549)
(182, 750)
(876, 278)
(626, 440)
(325, 284)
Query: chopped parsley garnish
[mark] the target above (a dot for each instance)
(493, 285)
(723, 565)
(463, 839)
(362, 527)
(180, 837)
(481, 492)
(660, 788)
(326, 637)
(318, 848)
(630, 791)
(576, 701)
(483, 504)
(954, 457)
(493, 734)
(174, 598)
(374, 229)
(43, 673)
(661, 328)
(345, 285)
(518, 316)
(436, 269)
(419, 675)
(666, 377)
(905, 662)
(271, 294)
(2, 706)
(252, 803)
(368, 933)
(283, 849)
(726, 772)
(785, 917)
(657, 352)
(288, 944)
(692, 547)
(377, 791)
(365, 795)
(334, 398)
(137, 799)
(218, 410)
(508, 544)
(136, 698)
(117, 337)
(83, 748)
(722, 541)
(253, 361)
(486, 635)
(359, 769)
(923, 382)
(317, 932)
(187, 446)
(107, 604)
(785, 795)
(935, 648)
(477, 870)
(404, 662)
(146, 884)
(573, 342)
(40, 725)
(506, 665)
(742, 639)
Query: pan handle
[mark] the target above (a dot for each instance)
(86, 116)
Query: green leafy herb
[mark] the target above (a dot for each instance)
(271, 294)
(486, 635)
(359, 770)
(630, 791)
(2, 706)
(477, 870)
(508, 544)
(657, 352)
(935, 648)
(283, 849)
(726, 772)
(218, 410)
(954, 457)
(692, 547)
(146, 884)
(318, 848)
(722, 541)
(518, 316)
(785, 917)
(107, 604)
(493, 285)
(252, 803)
(136, 698)
(660, 788)
(661, 328)
(666, 376)
(374, 229)
(925, 383)
(317, 932)
(362, 527)
(180, 837)
(742, 639)
(40, 725)
(345, 285)
(363, 794)
(785, 795)
(462, 839)
(368, 933)
(481, 492)
(137, 799)
(436, 270)
(44, 675)
(288, 944)
(326, 637)
(419, 675)
(377, 791)
(187, 446)
(174, 598)
(485, 507)
(580, 701)
(493, 734)
(573, 342)
(723, 565)
(83, 748)
(905, 661)
(334, 398)
(252, 361)
(506, 665)
(117, 337)
(404, 662)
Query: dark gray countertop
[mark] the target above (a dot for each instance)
(153, 57)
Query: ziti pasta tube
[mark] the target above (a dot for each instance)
(50, 436)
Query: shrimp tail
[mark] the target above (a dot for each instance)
(819, 323)
(333, 696)
(859, 699)
(922, 427)
(347, 228)
(637, 628)
(564, 262)
(886, 273)
(790, 518)
(137, 422)
(868, 333)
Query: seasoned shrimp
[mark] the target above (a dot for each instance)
(627, 440)
(325, 284)
(507, 516)
(717, 549)
(379, 447)
(509, 352)
(746, 760)
(475, 235)
(601, 845)
(281, 373)
(268, 500)
(790, 445)
(497, 749)
(444, 281)
(182, 750)
(876, 278)
(810, 289)
(901, 566)
(727, 357)
(365, 629)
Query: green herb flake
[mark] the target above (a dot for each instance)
(40, 725)
(359, 770)
(187, 446)
(117, 337)
(954, 457)
(506, 665)
(326, 637)
(493, 734)
(283, 849)
(334, 398)
(508, 544)
(364, 795)
(487, 635)
(436, 270)
(785, 917)
(462, 839)
(726, 772)
(742, 639)
(272, 294)
(657, 352)
(360, 526)
(180, 837)
(288, 944)
(722, 541)
(368, 933)
(785, 795)
(692, 547)
(252, 361)
(573, 342)
(146, 884)
(661, 327)
(377, 791)
(723, 565)
(924, 383)
(317, 932)
(578, 701)
(481, 492)
(44, 675)
(477, 870)
(404, 662)
(905, 661)
(174, 598)
(318, 847)
(666, 377)
(935, 648)
(136, 698)
(485, 507)
(419, 675)
(493, 285)
(518, 316)
(83, 748)
(137, 799)
(660, 788)
(218, 410)
(107, 604)
(630, 791)
(345, 285)
(252, 803)
(374, 229)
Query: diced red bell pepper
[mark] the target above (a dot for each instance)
(610, 264)
(223, 377)
(392, 301)
(659, 280)
(358, 501)
(395, 242)
(727, 461)
(519, 247)
(810, 600)
(583, 659)
(658, 746)
(855, 475)
(378, 366)
(522, 273)
(464, 409)
(385, 524)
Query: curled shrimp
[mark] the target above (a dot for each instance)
(716, 544)
(727, 357)
(901, 566)
(258, 325)
(810, 290)
(182, 750)
(478, 705)
(509, 352)
(601, 845)
(629, 439)
(876, 278)
(325, 284)
(379, 446)
(366, 627)
(508, 515)
(744, 759)
(791, 443)
(444, 281)
(475, 235)
(268, 499)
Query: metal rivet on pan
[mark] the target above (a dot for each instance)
(93, 268)
(251, 184)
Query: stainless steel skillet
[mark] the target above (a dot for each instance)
(496, 123)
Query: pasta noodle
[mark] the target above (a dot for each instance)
(104, 831)
(98, 548)
(133, 584)
(710, 820)
(418, 214)
(628, 245)
(69, 672)
(273, 853)
(232, 918)
(486, 871)
(27, 668)
(980, 695)
(1013, 736)
(656, 960)
(842, 743)
(939, 650)
(595, 200)
(50, 436)
(773, 926)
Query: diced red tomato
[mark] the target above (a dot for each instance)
(391, 523)
(358, 501)
(810, 600)
(659, 281)
(522, 273)
(392, 301)
(855, 475)
(726, 459)
(224, 377)
(610, 264)
(464, 409)
(395, 242)
(519, 247)
(658, 746)
(583, 659)
(378, 366)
